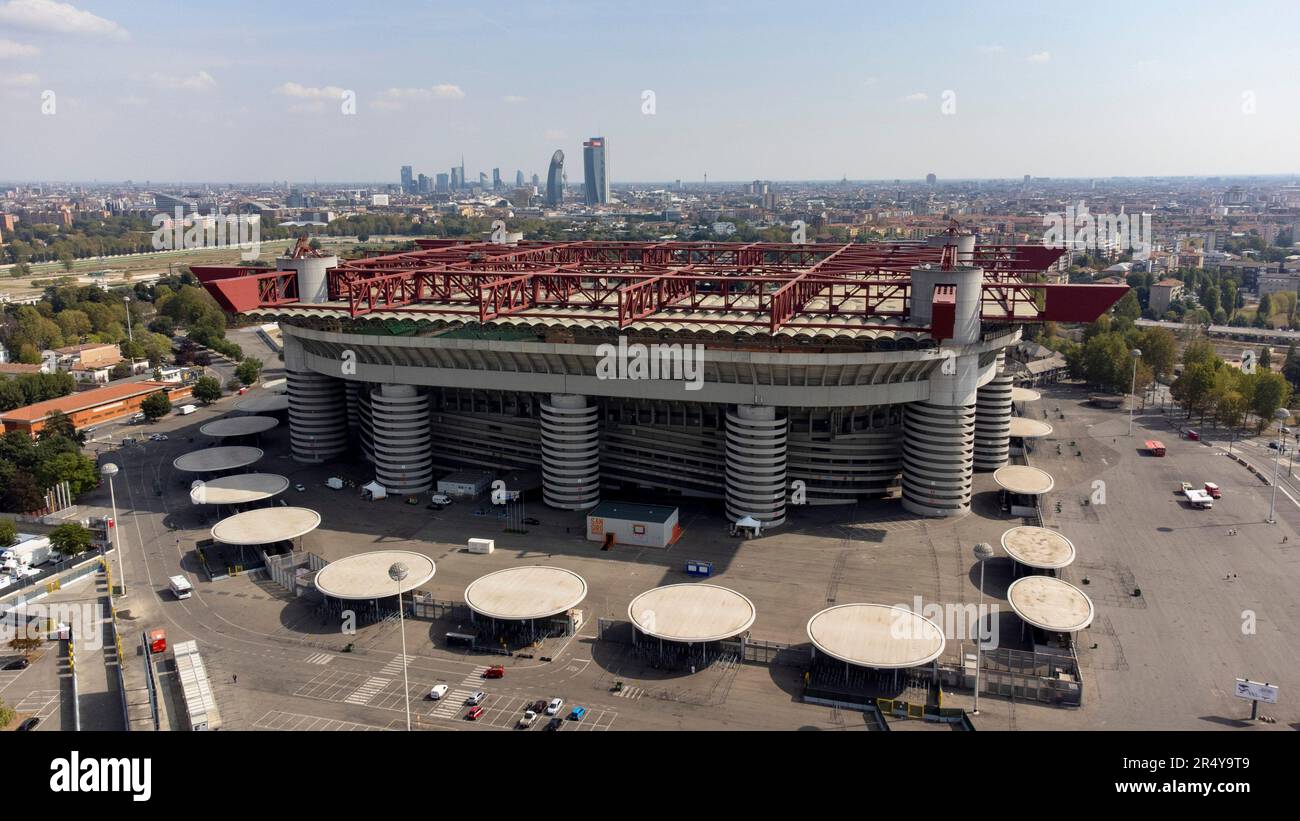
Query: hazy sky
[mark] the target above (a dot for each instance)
(236, 90)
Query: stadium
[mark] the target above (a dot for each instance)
(819, 374)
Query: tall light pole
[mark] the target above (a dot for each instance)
(1136, 354)
(108, 471)
(397, 573)
(1281, 415)
(129, 335)
(983, 552)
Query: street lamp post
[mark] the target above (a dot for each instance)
(129, 335)
(1281, 415)
(397, 573)
(108, 471)
(1136, 353)
(983, 552)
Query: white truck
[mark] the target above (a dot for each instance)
(186, 410)
(28, 552)
(1199, 499)
(180, 587)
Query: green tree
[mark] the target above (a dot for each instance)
(156, 406)
(1291, 366)
(1266, 358)
(1194, 389)
(8, 532)
(1271, 392)
(60, 424)
(6, 715)
(70, 539)
(207, 390)
(248, 371)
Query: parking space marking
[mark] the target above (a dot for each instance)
(393, 667)
(367, 691)
(319, 658)
(40, 702)
(298, 722)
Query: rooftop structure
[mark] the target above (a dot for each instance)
(691, 613)
(263, 403)
(266, 526)
(239, 426)
(876, 635)
(215, 460)
(1051, 604)
(238, 489)
(364, 576)
(1038, 547)
(532, 592)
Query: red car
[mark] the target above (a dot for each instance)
(495, 672)
(474, 714)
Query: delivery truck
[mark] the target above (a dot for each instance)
(181, 587)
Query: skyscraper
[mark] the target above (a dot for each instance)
(595, 167)
(519, 179)
(555, 180)
(457, 178)
(442, 184)
(408, 182)
(496, 179)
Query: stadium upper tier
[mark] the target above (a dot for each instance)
(854, 290)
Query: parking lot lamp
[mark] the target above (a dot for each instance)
(1281, 415)
(1136, 354)
(983, 552)
(397, 573)
(108, 471)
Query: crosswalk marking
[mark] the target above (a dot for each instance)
(393, 667)
(363, 694)
(319, 658)
(451, 704)
(630, 693)
(476, 675)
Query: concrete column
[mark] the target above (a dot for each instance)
(938, 450)
(993, 423)
(318, 416)
(570, 452)
(402, 444)
(756, 464)
(365, 425)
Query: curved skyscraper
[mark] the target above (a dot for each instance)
(555, 179)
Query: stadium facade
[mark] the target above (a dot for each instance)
(813, 373)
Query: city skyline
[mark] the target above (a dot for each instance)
(744, 92)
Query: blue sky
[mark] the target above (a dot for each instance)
(240, 90)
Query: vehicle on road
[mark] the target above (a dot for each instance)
(18, 664)
(186, 410)
(1214, 491)
(1199, 499)
(554, 724)
(554, 706)
(1186, 486)
(441, 499)
(577, 714)
(438, 691)
(475, 714)
(528, 718)
(476, 698)
(1155, 447)
(495, 672)
(157, 437)
(1193, 435)
(531, 521)
(300, 488)
(180, 587)
(29, 724)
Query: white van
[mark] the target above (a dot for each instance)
(181, 587)
(441, 499)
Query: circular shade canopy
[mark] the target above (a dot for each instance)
(237, 489)
(239, 426)
(1025, 395)
(1048, 603)
(691, 613)
(1023, 479)
(365, 575)
(211, 460)
(876, 635)
(531, 592)
(266, 526)
(1023, 428)
(1038, 547)
(263, 403)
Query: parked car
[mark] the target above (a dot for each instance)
(476, 698)
(438, 691)
(554, 724)
(300, 488)
(554, 706)
(527, 719)
(495, 672)
(18, 664)
(475, 714)
(29, 724)
(577, 714)
(537, 706)
(531, 521)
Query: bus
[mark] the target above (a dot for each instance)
(1155, 448)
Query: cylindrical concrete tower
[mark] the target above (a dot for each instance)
(570, 452)
(937, 452)
(318, 416)
(402, 443)
(993, 423)
(366, 429)
(313, 283)
(756, 464)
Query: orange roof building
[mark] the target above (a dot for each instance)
(91, 407)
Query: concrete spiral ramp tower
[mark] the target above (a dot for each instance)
(570, 452)
(401, 441)
(318, 416)
(756, 464)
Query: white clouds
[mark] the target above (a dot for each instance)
(9, 50)
(395, 98)
(23, 80)
(993, 49)
(916, 97)
(58, 18)
(1039, 57)
(309, 92)
(201, 81)
(513, 99)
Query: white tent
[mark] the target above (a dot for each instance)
(376, 490)
(754, 526)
